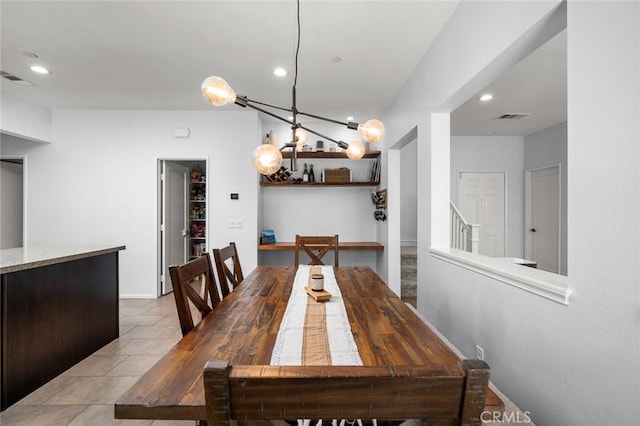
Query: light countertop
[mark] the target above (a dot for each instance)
(21, 258)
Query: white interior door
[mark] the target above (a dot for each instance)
(481, 199)
(542, 235)
(173, 227)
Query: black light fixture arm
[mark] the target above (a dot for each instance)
(267, 105)
(244, 102)
(350, 124)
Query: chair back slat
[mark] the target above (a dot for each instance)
(229, 278)
(316, 247)
(183, 278)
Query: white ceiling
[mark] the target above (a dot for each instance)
(152, 55)
(537, 85)
(155, 54)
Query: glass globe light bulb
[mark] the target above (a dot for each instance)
(217, 91)
(372, 130)
(301, 137)
(356, 150)
(267, 159)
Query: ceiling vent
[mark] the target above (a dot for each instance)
(513, 115)
(15, 79)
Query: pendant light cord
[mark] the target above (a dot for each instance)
(295, 80)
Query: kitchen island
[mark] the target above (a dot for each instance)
(58, 305)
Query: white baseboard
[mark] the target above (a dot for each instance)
(138, 296)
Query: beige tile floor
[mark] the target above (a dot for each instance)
(84, 394)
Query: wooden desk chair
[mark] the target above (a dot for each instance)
(227, 276)
(183, 278)
(260, 392)
(318, 243)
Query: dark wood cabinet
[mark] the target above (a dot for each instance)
(53, 317)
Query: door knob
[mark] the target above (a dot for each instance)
(185, 233)
(533, 230)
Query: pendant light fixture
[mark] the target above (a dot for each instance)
(267, 158)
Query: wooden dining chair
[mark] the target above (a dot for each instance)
(184, 278)
(320, 244)
(252, 393)
(229, 278)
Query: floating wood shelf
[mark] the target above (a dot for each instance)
(290, 246)
(342, 154)
(294, 183)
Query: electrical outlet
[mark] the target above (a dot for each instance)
(234, 223)
(479, 353)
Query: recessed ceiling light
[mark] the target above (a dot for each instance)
(280, 72)
(350, 118)
(40, 69)
(486, 97)
(336, 59)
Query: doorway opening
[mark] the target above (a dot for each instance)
(182, 215)
(543, 217)
(12, 202)
(409, 223)
(402, 208)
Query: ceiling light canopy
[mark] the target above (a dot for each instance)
(218, 92)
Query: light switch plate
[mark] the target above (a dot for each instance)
(234, 223)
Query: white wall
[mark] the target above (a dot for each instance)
(547, 148)
(495, 154)
(573, 364)
(24, 119)
(409, 194)
(97, 183)
(11, 205)
(343, 210)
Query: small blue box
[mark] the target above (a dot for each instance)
(268, 237)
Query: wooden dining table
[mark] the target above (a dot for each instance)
(243, 329)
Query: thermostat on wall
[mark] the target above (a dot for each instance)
(181, 132)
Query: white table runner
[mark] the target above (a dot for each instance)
(288, 349)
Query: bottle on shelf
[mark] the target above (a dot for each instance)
(305, 174)
(312, 176)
